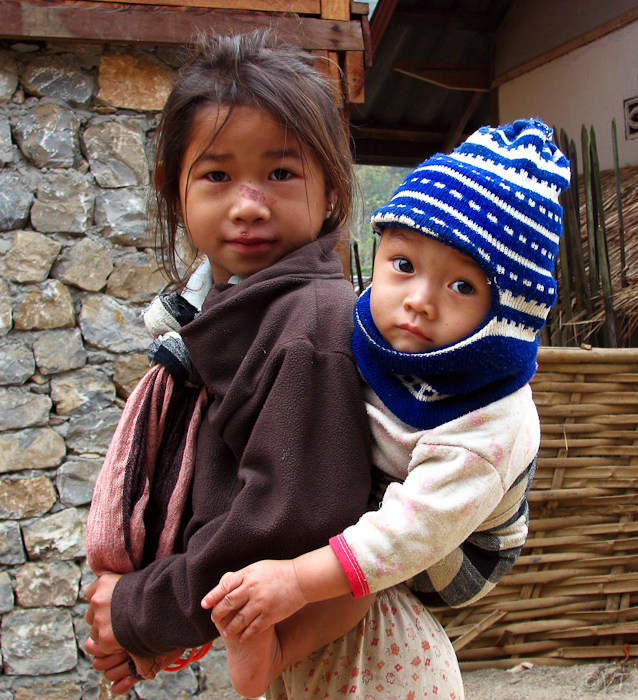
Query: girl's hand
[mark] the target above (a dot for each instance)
(98, 614)
(114, 666)
(248, 601)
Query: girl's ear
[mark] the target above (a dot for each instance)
(331, 200)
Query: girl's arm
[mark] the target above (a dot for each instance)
(288, 495)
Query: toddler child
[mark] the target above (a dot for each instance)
(446, 339)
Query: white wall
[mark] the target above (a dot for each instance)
(587, 86)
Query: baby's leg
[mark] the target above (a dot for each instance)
(255, 664)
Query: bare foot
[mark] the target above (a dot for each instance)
(255, 664)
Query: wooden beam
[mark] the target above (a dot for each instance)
(453, 76)
(308, 7)
(380, 19)
(335, 9)
(354, 73)
(390, 132)
(77, 20)
(463, 21)
(587, 38)
(458, 127)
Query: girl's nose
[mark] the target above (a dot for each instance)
(249, 205)
(421, 300)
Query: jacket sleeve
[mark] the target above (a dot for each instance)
(459, 484)
(303, 475)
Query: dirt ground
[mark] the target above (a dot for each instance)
(593, 681)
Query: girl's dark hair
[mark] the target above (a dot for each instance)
(250, 70)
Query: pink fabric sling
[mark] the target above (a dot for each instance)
(143, 485)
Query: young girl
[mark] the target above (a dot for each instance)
(269, 453)
(446, 339)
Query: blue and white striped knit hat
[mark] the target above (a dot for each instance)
(494, 198)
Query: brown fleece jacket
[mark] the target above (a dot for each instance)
(283, 451)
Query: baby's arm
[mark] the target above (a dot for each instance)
(249, 601)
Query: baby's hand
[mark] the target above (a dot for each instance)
(248, 601)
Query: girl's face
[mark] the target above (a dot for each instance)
(251, 196)
(425, 294)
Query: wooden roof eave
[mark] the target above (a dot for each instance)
(135, 23)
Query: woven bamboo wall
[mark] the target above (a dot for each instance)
(573, 595)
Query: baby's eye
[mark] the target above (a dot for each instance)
(218, 176)
(463, 287)
(403, 265)
(281, 174)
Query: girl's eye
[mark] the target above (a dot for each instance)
(218, 176)
(463, 287)
(281, 174)
(403, 265)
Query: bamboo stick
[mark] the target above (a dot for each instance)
(621, 224)
(477, 629)
(508, 650)
(510, 663)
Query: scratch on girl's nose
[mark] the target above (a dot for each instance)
(251, 193)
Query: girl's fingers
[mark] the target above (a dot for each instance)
(110, 663)
(93, 648)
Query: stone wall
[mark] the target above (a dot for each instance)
(76, 269)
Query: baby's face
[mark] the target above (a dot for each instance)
(425, 295)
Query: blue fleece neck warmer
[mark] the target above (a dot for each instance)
(428, 389)
(495, 199)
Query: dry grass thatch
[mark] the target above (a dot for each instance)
(573, 595)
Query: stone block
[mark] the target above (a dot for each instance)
(121, 217)
(75, 481)
(16, 361)
(87, 265)
(20, 408)
(6, 595)
(169, 686)
(137, 278)
(57, 537)
(115, 150)
(64, 203)
(82, 391)
(30, 258)
(109, 324)
(11, 549)
(45, 307)
(127, 372)
(15, 201)
(8, 76)
(33, 448)
(6, 312)
(91, 433)
(6, 145)
(45, 584)
(38, 642)
(59, 351)
(63, 689)
(47, 135)
(59, 76)
(140, 82)
(26, 498)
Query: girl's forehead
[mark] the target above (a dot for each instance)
(214, 126)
